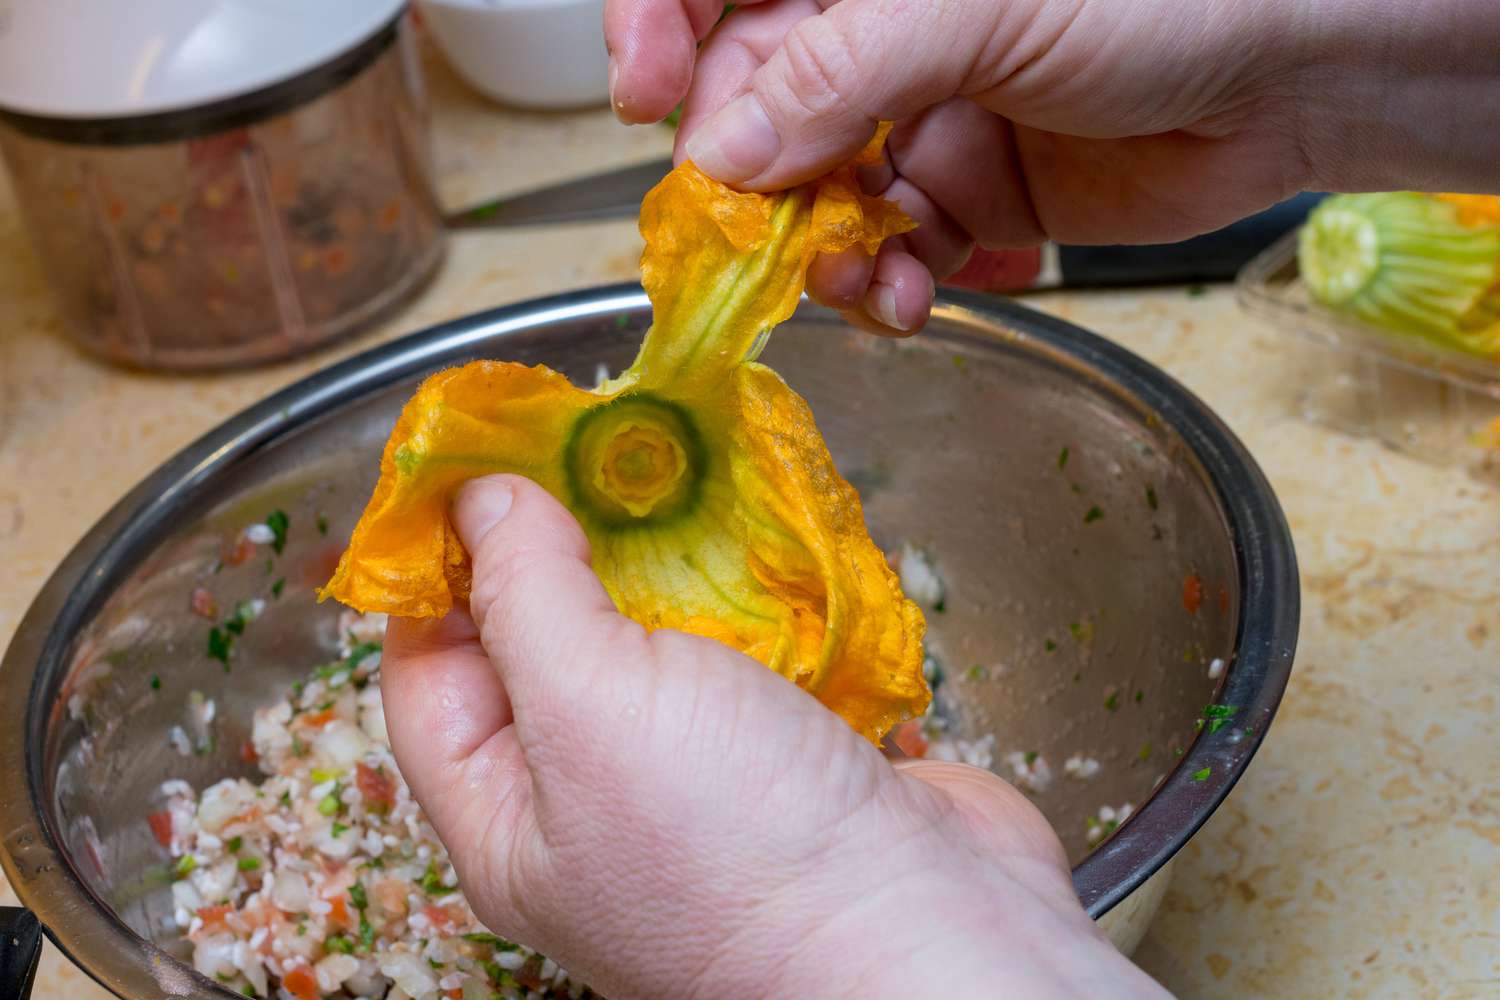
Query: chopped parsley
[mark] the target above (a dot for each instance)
(1049, 646)
(941, 605)
(1151, 497)
(339, 829)
(248, 864)
(977, 672)
(220, 644)
(1217, 716)
(1062, 458)
(1140, 696)
(493, 940)
(357, 896)
(1029, 757)
(234, 844)
(278, 522)
(185, 866)
(155, 683)
(1113, 701)
(322, 523)
(432, 882)
(1203, 774)
(330, 803)
(1145, 752)
(361, 903)
(1094, 514)
(338, 943)
(278, 586)
(286, 799)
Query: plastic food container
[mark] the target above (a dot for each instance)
(1418, 397)
(219, 184)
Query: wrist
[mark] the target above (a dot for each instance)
(932, 916)
(1387, 93)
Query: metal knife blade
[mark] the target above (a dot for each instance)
(615, 194)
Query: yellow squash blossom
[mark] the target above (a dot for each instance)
(1408, 262)
(707, 493)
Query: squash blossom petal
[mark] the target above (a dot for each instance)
(709, 498)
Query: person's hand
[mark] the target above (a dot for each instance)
(1023, 120)
(666, 817)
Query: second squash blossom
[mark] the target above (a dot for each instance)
(709, 498)
(1413, 263)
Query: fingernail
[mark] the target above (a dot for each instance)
(614, 77)
(737, 143)
(881, 303)
(480, 505)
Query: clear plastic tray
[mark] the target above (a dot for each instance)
(1418, 397)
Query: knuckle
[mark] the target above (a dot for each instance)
(821, 75)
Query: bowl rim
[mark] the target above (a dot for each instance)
(85, 929)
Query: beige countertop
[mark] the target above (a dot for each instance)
(1360, 855)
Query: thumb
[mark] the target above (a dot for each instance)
(817, 99)
(542, 613)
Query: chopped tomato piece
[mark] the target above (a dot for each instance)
(215, 916)
(340, 912)
(376, 786)
(238, 552)
(204, 605)
(439, 917)
(301, 983)
(318, 719)
(161, 827)
(248, 753)
(1192, 593)
(908, 736)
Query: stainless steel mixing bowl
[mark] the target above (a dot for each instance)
(1102, 536)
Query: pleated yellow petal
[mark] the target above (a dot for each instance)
(857, 639)
(404, 558)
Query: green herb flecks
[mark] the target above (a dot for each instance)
(279, 524)
(1216, 717)
(220, 645)
(1203, 774)
(1094, 513)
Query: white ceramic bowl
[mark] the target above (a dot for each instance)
(528, 53)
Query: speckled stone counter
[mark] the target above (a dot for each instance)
(1360, 855)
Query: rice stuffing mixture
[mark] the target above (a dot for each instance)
(324, 879)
